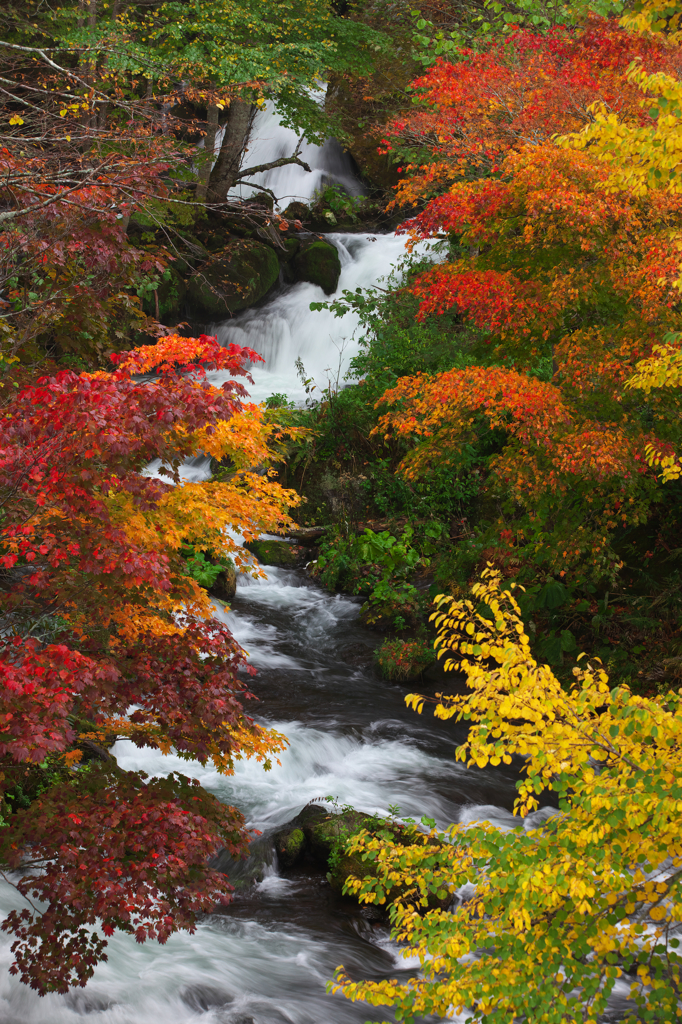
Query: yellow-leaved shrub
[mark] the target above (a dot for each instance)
(563, 912)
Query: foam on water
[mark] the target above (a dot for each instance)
(227, 970)
(285, 329)
(369, 774)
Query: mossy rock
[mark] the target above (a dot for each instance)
(297, 211)
(327, 834)
(318, 262)
(324, 835)
(276, 552)
(338, 829)
(291, 247)
(237, 277)
(291, 847)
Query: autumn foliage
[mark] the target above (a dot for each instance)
(578, 903)
(561, 278)
(106, 636)
(515, 92)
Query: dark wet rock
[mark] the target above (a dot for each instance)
(244, 871)
(278, 552)
(86, 1003)
(310, 814)
(291, 847)
(202, 998)
(357, 655)
(225, 585)
(262, 200)
(236, 277)
(297, 211)
(318, 262)
(326, 836)
(308, 534)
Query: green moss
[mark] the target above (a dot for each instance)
(319, 263)
(291, 247)
(238, 276)
(275, 552)
(295, 843)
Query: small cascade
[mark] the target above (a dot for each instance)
(270, 140)
(282, 328)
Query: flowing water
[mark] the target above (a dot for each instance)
(283, 328)
(266, 958)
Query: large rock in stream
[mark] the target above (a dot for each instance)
(234, 278)
(318, 262)
(278, 552)
(317, 832)
(322, 836)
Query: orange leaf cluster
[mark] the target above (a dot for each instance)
(516, 92)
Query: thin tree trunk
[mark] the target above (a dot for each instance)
(224, 173)
(209, 153)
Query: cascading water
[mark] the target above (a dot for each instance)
(265, 959)
(283, 328)
(269, 140)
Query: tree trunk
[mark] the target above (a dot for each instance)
(226, 169)
(209, 153)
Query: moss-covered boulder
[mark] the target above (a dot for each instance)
(291, 847)
(328, 835)
(318, 262)
(297, 211)
(291, 247)
(236, 277)
(323, 837)
(278, 552)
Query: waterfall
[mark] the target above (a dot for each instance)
(270, 140)
(282, 327)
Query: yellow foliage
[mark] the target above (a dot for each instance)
(562, 909)
(663, 369)
(655, 17)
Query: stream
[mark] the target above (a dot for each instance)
(266, 958)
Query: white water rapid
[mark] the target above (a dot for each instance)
(266, 958)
